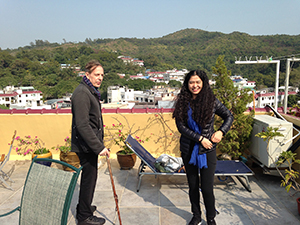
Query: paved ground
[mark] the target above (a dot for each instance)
(164, 200)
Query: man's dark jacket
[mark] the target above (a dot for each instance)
(87, 122)
(189, 138)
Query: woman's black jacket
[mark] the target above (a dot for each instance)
(189, 137)
(87, 122)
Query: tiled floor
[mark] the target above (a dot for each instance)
(164, 200)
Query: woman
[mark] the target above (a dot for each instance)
(194, 114)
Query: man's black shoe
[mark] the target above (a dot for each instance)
(93, 207)
(92, 220)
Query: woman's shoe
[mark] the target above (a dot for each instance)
(211, 222)
(196, 221)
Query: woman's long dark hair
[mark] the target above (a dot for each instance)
(202, 106)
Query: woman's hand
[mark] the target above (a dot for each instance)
(217, 136)
(105, 152)
(206, 143)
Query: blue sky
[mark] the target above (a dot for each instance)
(24, 21)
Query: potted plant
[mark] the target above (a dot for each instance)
(34, 146)
(287, 158)
(66, 155)
(125, 156)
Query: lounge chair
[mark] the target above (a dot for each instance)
(226, 168)
(47, 194)
(4, 175)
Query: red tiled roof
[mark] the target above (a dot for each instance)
(9, 94)
(273, 94)
(31, 92)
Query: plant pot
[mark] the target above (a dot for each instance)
(126, 162)
(70, 158)
(298, 203)
(45, 155)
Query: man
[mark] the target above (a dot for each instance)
(87, 139)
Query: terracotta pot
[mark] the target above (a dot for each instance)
(298, 203)
(126, 162)
(45, 155)
(70, 158)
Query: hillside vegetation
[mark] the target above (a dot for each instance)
(189, 48)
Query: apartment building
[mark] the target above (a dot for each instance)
(21, 97)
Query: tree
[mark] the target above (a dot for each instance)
(237, 140)
(174, 83)
(293, 100)
(3, 107)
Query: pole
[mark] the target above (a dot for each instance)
(253, 96)
(114, 189)
(287, 77)
(286, 90)
(277, 85)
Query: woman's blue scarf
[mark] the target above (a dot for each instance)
(196, 159)
(88, 82)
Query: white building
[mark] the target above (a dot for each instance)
(263, 99)
(119, 94)
(240, 82)
(177, 75)
(134, 61)
(123, 95)
(22, 98)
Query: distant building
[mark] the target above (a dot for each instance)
(240, 82)
(119, 94)
(134, 61)
(65, 66)
(21, 97)
(167, 76)
(177, 75)
(263, 99)
(124, 95)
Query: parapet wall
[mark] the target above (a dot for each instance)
(52, 126)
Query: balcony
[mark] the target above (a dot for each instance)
(162, 200)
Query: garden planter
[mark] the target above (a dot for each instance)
(298, 203)
(45, 155)
(127, 161)
(70, 158)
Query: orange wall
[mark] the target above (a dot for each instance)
(53, 128)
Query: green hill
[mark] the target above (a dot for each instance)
(188, 48)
